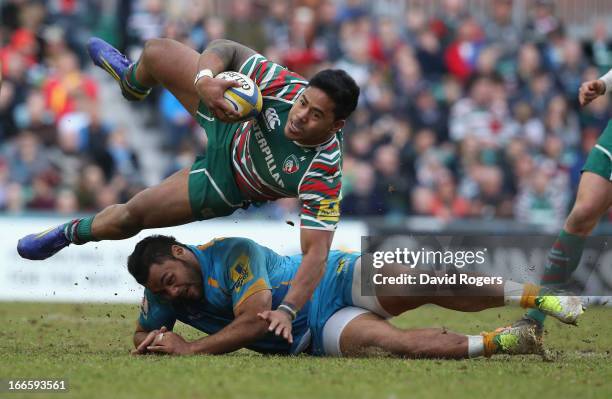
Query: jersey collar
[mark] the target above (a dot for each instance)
(316, 146)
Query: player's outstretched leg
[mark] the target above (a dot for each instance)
(397, 299)
(164, 205)
(369, 333)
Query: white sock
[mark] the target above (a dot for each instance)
(513, 292)
(475, 345)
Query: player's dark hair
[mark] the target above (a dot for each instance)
(493, 78)
(340, 87)
(150, 250)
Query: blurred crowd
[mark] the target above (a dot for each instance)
(464, 113)
(56, 151)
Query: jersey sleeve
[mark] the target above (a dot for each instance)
(274, 80)
(155, 313)
(247, 273)
(319, 191)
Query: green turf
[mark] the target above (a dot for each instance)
(89, 345)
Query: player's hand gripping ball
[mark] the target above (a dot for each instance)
(246, 99)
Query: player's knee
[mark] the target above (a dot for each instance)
(154, 49)
(221, 42)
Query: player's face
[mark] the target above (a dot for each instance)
(311, 119)
(177, 279)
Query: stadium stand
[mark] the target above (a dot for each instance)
(466, 112)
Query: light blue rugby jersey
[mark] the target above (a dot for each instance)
(234, 269)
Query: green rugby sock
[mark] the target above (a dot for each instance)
(563, 259)
(132, 89)
(79, 231)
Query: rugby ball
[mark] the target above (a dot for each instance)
(246, 99)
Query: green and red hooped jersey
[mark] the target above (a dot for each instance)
(268, 166)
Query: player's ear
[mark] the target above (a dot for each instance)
(339, 124)
(178, 251)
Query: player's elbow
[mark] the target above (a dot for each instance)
(224, 48)
(317, 254)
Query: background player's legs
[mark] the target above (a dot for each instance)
(370, 334)
(593, 200)
(173, 65)
(166, 204)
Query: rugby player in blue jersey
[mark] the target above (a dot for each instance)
(225, 287)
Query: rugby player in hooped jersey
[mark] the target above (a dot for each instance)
(292, 149)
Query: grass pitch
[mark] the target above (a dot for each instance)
(89, 345)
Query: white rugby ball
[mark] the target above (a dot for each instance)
(246, 99)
